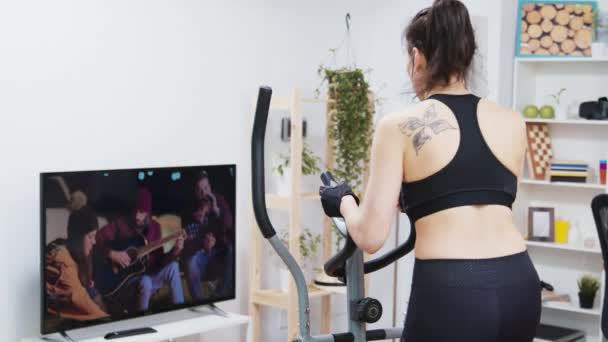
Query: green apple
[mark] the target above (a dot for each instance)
(547, 112)
(531, 111)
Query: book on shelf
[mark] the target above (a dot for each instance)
(568, 179)
(550, 296)
(582, 174)
(569, 165)
(569, 171)
(552, 333)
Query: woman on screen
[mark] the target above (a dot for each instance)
(69, 286)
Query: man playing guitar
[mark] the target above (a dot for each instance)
(160, 270)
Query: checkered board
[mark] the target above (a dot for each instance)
(540, 151)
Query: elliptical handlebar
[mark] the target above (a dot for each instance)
(337, 262)
(355, 283)
(257, 162)
(327, 179)
(260, 211)
(334, 267)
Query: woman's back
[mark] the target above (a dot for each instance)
(462, 231)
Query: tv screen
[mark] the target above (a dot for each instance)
(118, 244)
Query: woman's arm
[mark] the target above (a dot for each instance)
(369, 223)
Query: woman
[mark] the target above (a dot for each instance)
(457, 159)
(71, 292)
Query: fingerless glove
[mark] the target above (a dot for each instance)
(331, 197)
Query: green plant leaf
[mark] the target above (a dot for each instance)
(588, 285)
(350, 123)
(310, 162)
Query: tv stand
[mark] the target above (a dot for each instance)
(212, 307)
(172, 325)
(66, 336)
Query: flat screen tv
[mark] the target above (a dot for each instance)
(118, 244)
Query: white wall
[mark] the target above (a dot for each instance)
(114, 84)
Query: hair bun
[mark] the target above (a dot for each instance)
(440, 3)
(444, 34)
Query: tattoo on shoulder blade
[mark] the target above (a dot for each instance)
(419, 127)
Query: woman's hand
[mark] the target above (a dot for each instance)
(331, 198)
(348, 202)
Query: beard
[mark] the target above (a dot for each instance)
(142, 225)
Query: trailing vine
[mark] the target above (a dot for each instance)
(351, 123)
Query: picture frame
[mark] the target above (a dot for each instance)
(541, 224)
(555, 28)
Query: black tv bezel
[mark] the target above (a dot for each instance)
(113, 319)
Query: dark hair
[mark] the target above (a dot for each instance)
(201, 175)
(80, 223)
(444, 35)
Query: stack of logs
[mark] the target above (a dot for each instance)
(556, 29)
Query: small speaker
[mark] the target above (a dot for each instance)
(594, 110)
(286, 129)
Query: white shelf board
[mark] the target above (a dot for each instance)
(198, 324)
(590, 186)
(552, 245)
(570, 121)
(572, 307)
(561, 60)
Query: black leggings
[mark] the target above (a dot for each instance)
(470, 300)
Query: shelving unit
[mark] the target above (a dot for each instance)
(277, 298)
(571, 307)
(590, 186)
(573, 139)
(560, 60)
(571, 122)
(565, 247)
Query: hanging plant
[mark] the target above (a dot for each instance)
(351, 116)
(350, 126)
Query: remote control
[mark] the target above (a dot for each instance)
(130, 332)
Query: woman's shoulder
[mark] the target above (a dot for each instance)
(500, 116)
(405, 113)
(486, 105)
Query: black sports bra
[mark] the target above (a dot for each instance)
(473, 176)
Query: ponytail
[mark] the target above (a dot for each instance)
(444, 35)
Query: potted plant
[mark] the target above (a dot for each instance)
(556, 110)
(310, 166)
(588, 287)
(309, 244)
